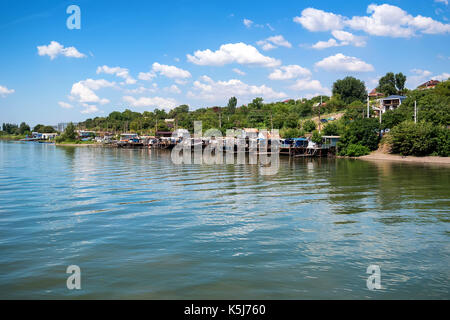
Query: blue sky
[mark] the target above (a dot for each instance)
(147, 54)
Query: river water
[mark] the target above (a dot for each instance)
(139, 226)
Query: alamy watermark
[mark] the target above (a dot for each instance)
(374, 280)
(74, 280)
(263, 148)
(74, 20)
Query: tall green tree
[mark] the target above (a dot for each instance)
(350, 89)
(392, 84)
(232, 103)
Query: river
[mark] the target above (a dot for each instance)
(139, 226)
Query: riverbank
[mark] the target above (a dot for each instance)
(380, 156)
(96, 145)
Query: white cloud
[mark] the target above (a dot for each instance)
(319, 20)
(146, 76)
(65, 105)
(83, 91)
(248, 23)
(339, 62)
(392, 21)
(55, 49)
(170, 71)
(210, 90)
(442, 77)
(289, 72)
(118, 72)
(382, 20)
(148, 102)
(240, 53)
(345, 38)
(4, 91)
(172, 89)
(274, 42)
(325, 44)
(419, 76)
(310, 85)
(239, 72)
(442, 1)
(88, 109)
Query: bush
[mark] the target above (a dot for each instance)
(309, 126)
(355, 150)
(363, 132)
(291, 133)
(331, 129)
(420, 139)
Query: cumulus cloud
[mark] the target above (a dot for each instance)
(420, 76)
(392, 21)
(339, 62)
(88, 109)
(240, 53)
(442, 77)
(4, 91)
(146, 76)
(325, 44)
(345, 38)
(84, 91)
(65, 105)
(172, 89)
(442, 1)
(149, 102)
(274, 42)
(310, 85)
(210, 90)
(289, 72)
(55, 49)
(118, 72)
(319, 20)
(248, 23)
(239, 72)
(382, 20)
(170, 71)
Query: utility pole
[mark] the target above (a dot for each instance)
(220, 120)
(368, 107)
(271, 120)
(319, 112)
(415, 111)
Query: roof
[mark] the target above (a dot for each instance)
(331, 137)
(430, 83)
(394, 97)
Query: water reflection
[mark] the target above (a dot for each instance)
(142, 227)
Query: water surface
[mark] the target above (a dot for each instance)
(141, 227)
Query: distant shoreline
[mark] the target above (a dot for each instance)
(379, 156)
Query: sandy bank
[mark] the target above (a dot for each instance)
(379, 156)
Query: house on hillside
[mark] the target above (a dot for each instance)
(428, 85)
(389, 103)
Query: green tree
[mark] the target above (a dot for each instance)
(70, 133)
(309, 126)
(364, 132)
(232, 103)
(24, 128)
(350, 89)
(392, 84)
